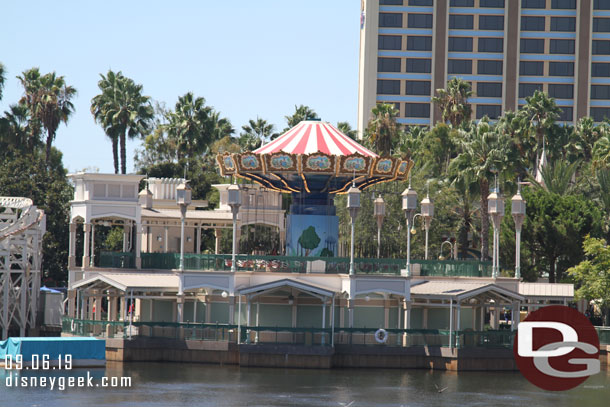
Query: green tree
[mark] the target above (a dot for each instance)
(2, 79)
(309, 240)
(346, 128)
(14, 129)
(383, 130)
(539, 114)
(255, 133)
(584, 136)
(122, 111)
(557, 176)
(301, 113)
(190, 126)
(453, 102)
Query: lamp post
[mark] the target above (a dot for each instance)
(518, 212)
(353, 205)
(427, 212)
(234, 203)
(183, 199)
(379, 212)
(495, 209)
(409, 205)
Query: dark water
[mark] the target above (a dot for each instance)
(155, 384)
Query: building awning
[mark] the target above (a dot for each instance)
(546, 290)
(260, 289)
(140, 282)
(460, 291)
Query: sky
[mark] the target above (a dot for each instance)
(246, 58)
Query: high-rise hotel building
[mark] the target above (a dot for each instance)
(505, 48)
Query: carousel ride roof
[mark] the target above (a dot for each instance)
(313, 157)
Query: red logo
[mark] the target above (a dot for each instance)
(557, 348)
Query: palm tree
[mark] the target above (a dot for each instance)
(222, 127)
(14, 127)
(485, 153)
(2, 79)
(584, 137)
(190, 126)
(255, 133)
(49, 100)
(301, 113)
(122, 110)
(557, 176)
(453, 102)
(346, 129)
(539, 113)
(383, 129)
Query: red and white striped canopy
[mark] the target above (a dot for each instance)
(310, 137)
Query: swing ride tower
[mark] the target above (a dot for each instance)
(313, 161)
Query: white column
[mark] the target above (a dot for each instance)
(72, 246)
(87, 245)
(323, 320)
(198, 249)
(91, 261)
(125, 237)
(138, 245)
(451, 323)
(166, 240)
(217, 241)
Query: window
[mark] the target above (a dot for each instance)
(463, 22)
(601, 5)
(391, 2)
(485, 67)
(563, 23)
(420, 20)
(566, 115)
(388, 64)
(600, 91)
(531, 68)
(462, 3)
(532, 23)
(491, 44)
(388, 87)
(528, 89)
(600, 113)
(491, 111)
(460, 44)
(459, 66)
(562, 46)
(489, 89)
(533, 3)
(390, 19)
(532, 46)
(420, 2)
(601, 25)
(419, 65)
(600, 69)
(601, 47)
(419, 43)
(99, 190)
(418, 88)
(564, 4)
(491, 23)
(492, 3)
(417, 109)
(114, 190)
(561, 68)
(561, 91)
(390, 42)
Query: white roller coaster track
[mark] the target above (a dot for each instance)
(22, 226)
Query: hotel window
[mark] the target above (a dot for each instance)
(601, 5)
(561, 68)
(388, 64)
(531, 68)
(388, 87)
(419, 43)
(419, 20)
(417, 109)
(600, 91)
(566, 115)
(491, 111)
(532, 46)
(564, 4)
(462, 22)
(528, 89)
(491, 44)
(463, 44)
(492, 3)
(459, 66)
(563, 24)
(533, 3)
(601, 25)
(420, 2)
(419, 65)
(560, 91)
(485, 67)
(532, 23)
(562, 46)
(418, 88)
(390, 42)
(489, 89)
(601, 47)
(462, 3)
(600, 69)
(390, 19)
(600, 113)
(391, 2)
(491, 23)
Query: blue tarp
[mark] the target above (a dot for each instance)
(78, 347)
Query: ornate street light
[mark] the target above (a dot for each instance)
(427, 212)
(183, 199)
(353, 205)
(409, 205)
(495, 208)
(518, 212)
(379, 212)
(234, 203)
